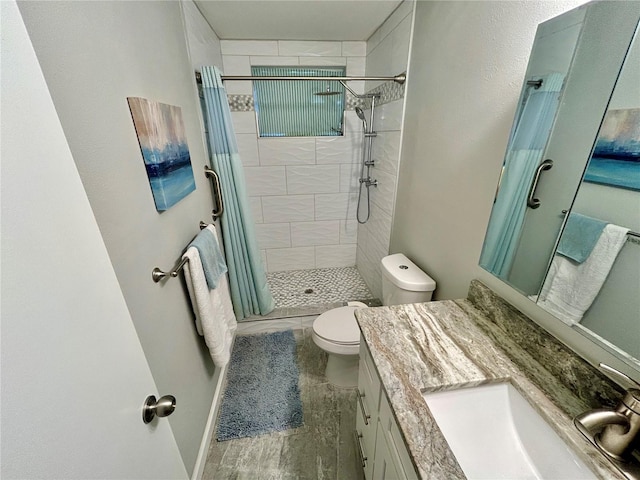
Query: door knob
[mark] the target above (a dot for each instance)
(163, 407)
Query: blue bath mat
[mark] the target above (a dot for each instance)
(262, 393)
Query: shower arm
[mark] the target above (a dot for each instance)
(359, 95)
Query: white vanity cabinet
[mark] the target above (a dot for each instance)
(382, 450)
(368, 407)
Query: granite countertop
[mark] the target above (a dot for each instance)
(450, 344)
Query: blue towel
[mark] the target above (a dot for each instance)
(581, 233)
(211, 257)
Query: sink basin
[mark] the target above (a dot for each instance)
(494, 433)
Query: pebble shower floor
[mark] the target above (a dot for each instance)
(299, 288)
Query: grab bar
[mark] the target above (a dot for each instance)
(157, 274)
(217, 212)
(533, 202)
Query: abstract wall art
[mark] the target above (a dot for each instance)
(616, 157)
(165, 152)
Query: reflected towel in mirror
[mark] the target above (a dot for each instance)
(579, 237)
(570, 288)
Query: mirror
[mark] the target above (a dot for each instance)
(581, 96)
(610, 191)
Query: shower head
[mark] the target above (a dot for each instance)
(360, 114)
(327, 92)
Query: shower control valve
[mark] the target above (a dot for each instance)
(368, 182)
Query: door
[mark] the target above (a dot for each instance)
(74, 376)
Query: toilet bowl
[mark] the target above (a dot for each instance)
(337, 333)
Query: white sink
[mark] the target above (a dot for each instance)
(494, 433)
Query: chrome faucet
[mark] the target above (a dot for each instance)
(616, 432)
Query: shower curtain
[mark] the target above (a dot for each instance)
(250, 293)
(529, 137)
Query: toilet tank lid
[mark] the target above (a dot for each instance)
(403, 273)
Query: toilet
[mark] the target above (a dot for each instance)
(337, 333)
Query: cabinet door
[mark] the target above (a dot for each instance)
(368, 384)
(367, 409)
(385, 467)
(396, 447)
(366, 442)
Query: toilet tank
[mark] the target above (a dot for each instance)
(403, 282)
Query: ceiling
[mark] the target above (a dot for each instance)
(296, 19)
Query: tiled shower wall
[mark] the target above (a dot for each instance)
(387, 55)
(303, 190)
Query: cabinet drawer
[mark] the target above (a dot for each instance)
(368, 384)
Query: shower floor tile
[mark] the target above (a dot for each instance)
(320, 286)
(331, 288)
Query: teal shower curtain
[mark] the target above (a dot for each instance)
(526, 146)
(250, 293)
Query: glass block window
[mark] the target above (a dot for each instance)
(292, 108)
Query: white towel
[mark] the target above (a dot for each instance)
(571, 288)
(215, 319)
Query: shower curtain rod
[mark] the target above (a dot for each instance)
(400, 78)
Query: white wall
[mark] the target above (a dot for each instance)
(387, 55)
(302, 189)
(94, 55)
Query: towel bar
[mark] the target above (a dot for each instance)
(157, 274)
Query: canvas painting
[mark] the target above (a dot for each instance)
(163, 143)
(616, 157)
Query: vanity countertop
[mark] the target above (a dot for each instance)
(450, 344)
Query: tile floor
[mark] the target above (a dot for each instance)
(323, 448)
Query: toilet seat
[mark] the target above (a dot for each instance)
(336, 331)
